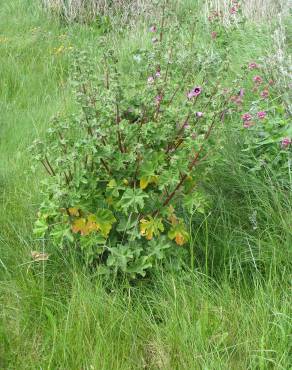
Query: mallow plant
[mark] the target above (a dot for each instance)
(266, 120)
(126, 171)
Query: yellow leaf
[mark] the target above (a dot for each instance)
(144, 182)
(112, 183)
(179, 233)
(91, 224)
(73, 211)
(179, 239)
(79, 225)
(151, 227)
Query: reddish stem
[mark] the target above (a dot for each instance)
(191, 166)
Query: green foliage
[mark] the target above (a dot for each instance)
(136, 148)
(232, 312)
(267, 122)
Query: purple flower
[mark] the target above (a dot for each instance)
(261, 115)
(150, 80)
(199, 114)
(265, 94)
(241, 92)
(286, 142)
(157, 74)
(196, 91)
(246, 117)
(158, 99)
(153, 28)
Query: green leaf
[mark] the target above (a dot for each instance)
(132, 200)
(157, 247)
(119, 257)
(104, 218)
(40, 227)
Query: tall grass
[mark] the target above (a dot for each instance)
(255, 10)
(86, 11)
(231, 306)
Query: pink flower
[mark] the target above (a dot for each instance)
(246, 117)
(237, 99)
(265, 94)
(233, 10)
(258, 79)
(153, 28)
(253, 65)
(247, 124)
(286, 142)
(150, 80)
(196, 91)
(213, 35)
(157, 74)
(261, 115)
(199, 114)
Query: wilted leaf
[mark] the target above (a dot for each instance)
(101, 221)
(79, 225)
(73, 211)
(39, 256)
(171, 215)
(179, 233)
(151, 227)
(92, 224)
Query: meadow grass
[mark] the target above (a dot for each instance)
(230, 308)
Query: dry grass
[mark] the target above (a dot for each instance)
(256, 10)
(80, 10)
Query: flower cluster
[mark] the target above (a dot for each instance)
(247, 118)
(235, 7)
(259, 81)
(215, 16)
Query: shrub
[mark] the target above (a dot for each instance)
(126, 171)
